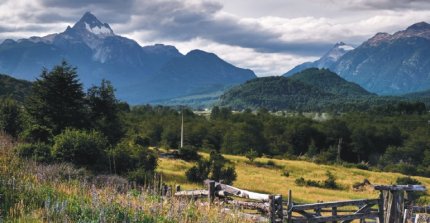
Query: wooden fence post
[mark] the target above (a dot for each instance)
(381, 206)
(280, 208)
(211, 191)
(289, 206)
(393, 206)
(334, 213)
(272, 209)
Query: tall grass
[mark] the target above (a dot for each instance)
(33, 192)
(271, 179)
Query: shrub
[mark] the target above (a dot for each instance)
(227, 175)
(81, 148)
(215, 168)
(10, 120)
(270, 163)
(330, 182)
(300, 181)
(199, 172)
(140, 175)
(142, 141)
(401, 167)
(251, 155)
(414, 195)
(37, 133)
(131, 157)
(189, 153)
(39, 152)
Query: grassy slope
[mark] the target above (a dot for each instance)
(270, 180)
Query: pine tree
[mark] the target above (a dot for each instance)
(104, 111)
(57, 99)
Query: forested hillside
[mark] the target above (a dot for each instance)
(310, 90)
(14, 88)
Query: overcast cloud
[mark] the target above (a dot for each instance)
(269, 36)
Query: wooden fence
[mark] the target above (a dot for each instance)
(388, 208)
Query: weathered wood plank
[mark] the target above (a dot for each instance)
(400, 187)
(239, 192)
(335, 204)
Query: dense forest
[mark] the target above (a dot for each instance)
(310, 90)
(59, 122)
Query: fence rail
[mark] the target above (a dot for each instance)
(388, 208)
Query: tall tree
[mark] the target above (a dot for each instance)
(57, 99)
(104, 110)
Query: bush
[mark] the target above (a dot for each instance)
(140, 176)
(228, 175)
(39, 152)
(131, 157)
(329, 183)
(270, 163)
(199, 172)
(251, 155)
(37, 133)
(414, 195)
(401, 167)
(81, 148)
(286, 173)
(142, 141)
(10, 120)
(215, 168)
(189, 153)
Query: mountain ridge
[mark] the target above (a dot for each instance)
(99, 53)
(386, 64)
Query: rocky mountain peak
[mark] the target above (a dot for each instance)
(421, 26)
(90, 24)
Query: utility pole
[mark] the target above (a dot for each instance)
(182, 130)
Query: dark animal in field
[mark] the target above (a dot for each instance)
(361, 186)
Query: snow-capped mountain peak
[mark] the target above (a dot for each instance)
(89, 23)
(337, 51)
(99, 30)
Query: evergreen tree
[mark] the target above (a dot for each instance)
(57, 99)
(104, 111)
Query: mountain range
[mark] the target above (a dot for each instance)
(140, 74)
(386, 64)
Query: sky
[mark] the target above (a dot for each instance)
(268, 36)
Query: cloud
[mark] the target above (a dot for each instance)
(185, 20)
(389, 4)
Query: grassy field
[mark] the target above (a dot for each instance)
(271, 180)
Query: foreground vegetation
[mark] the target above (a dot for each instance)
(35, 192)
